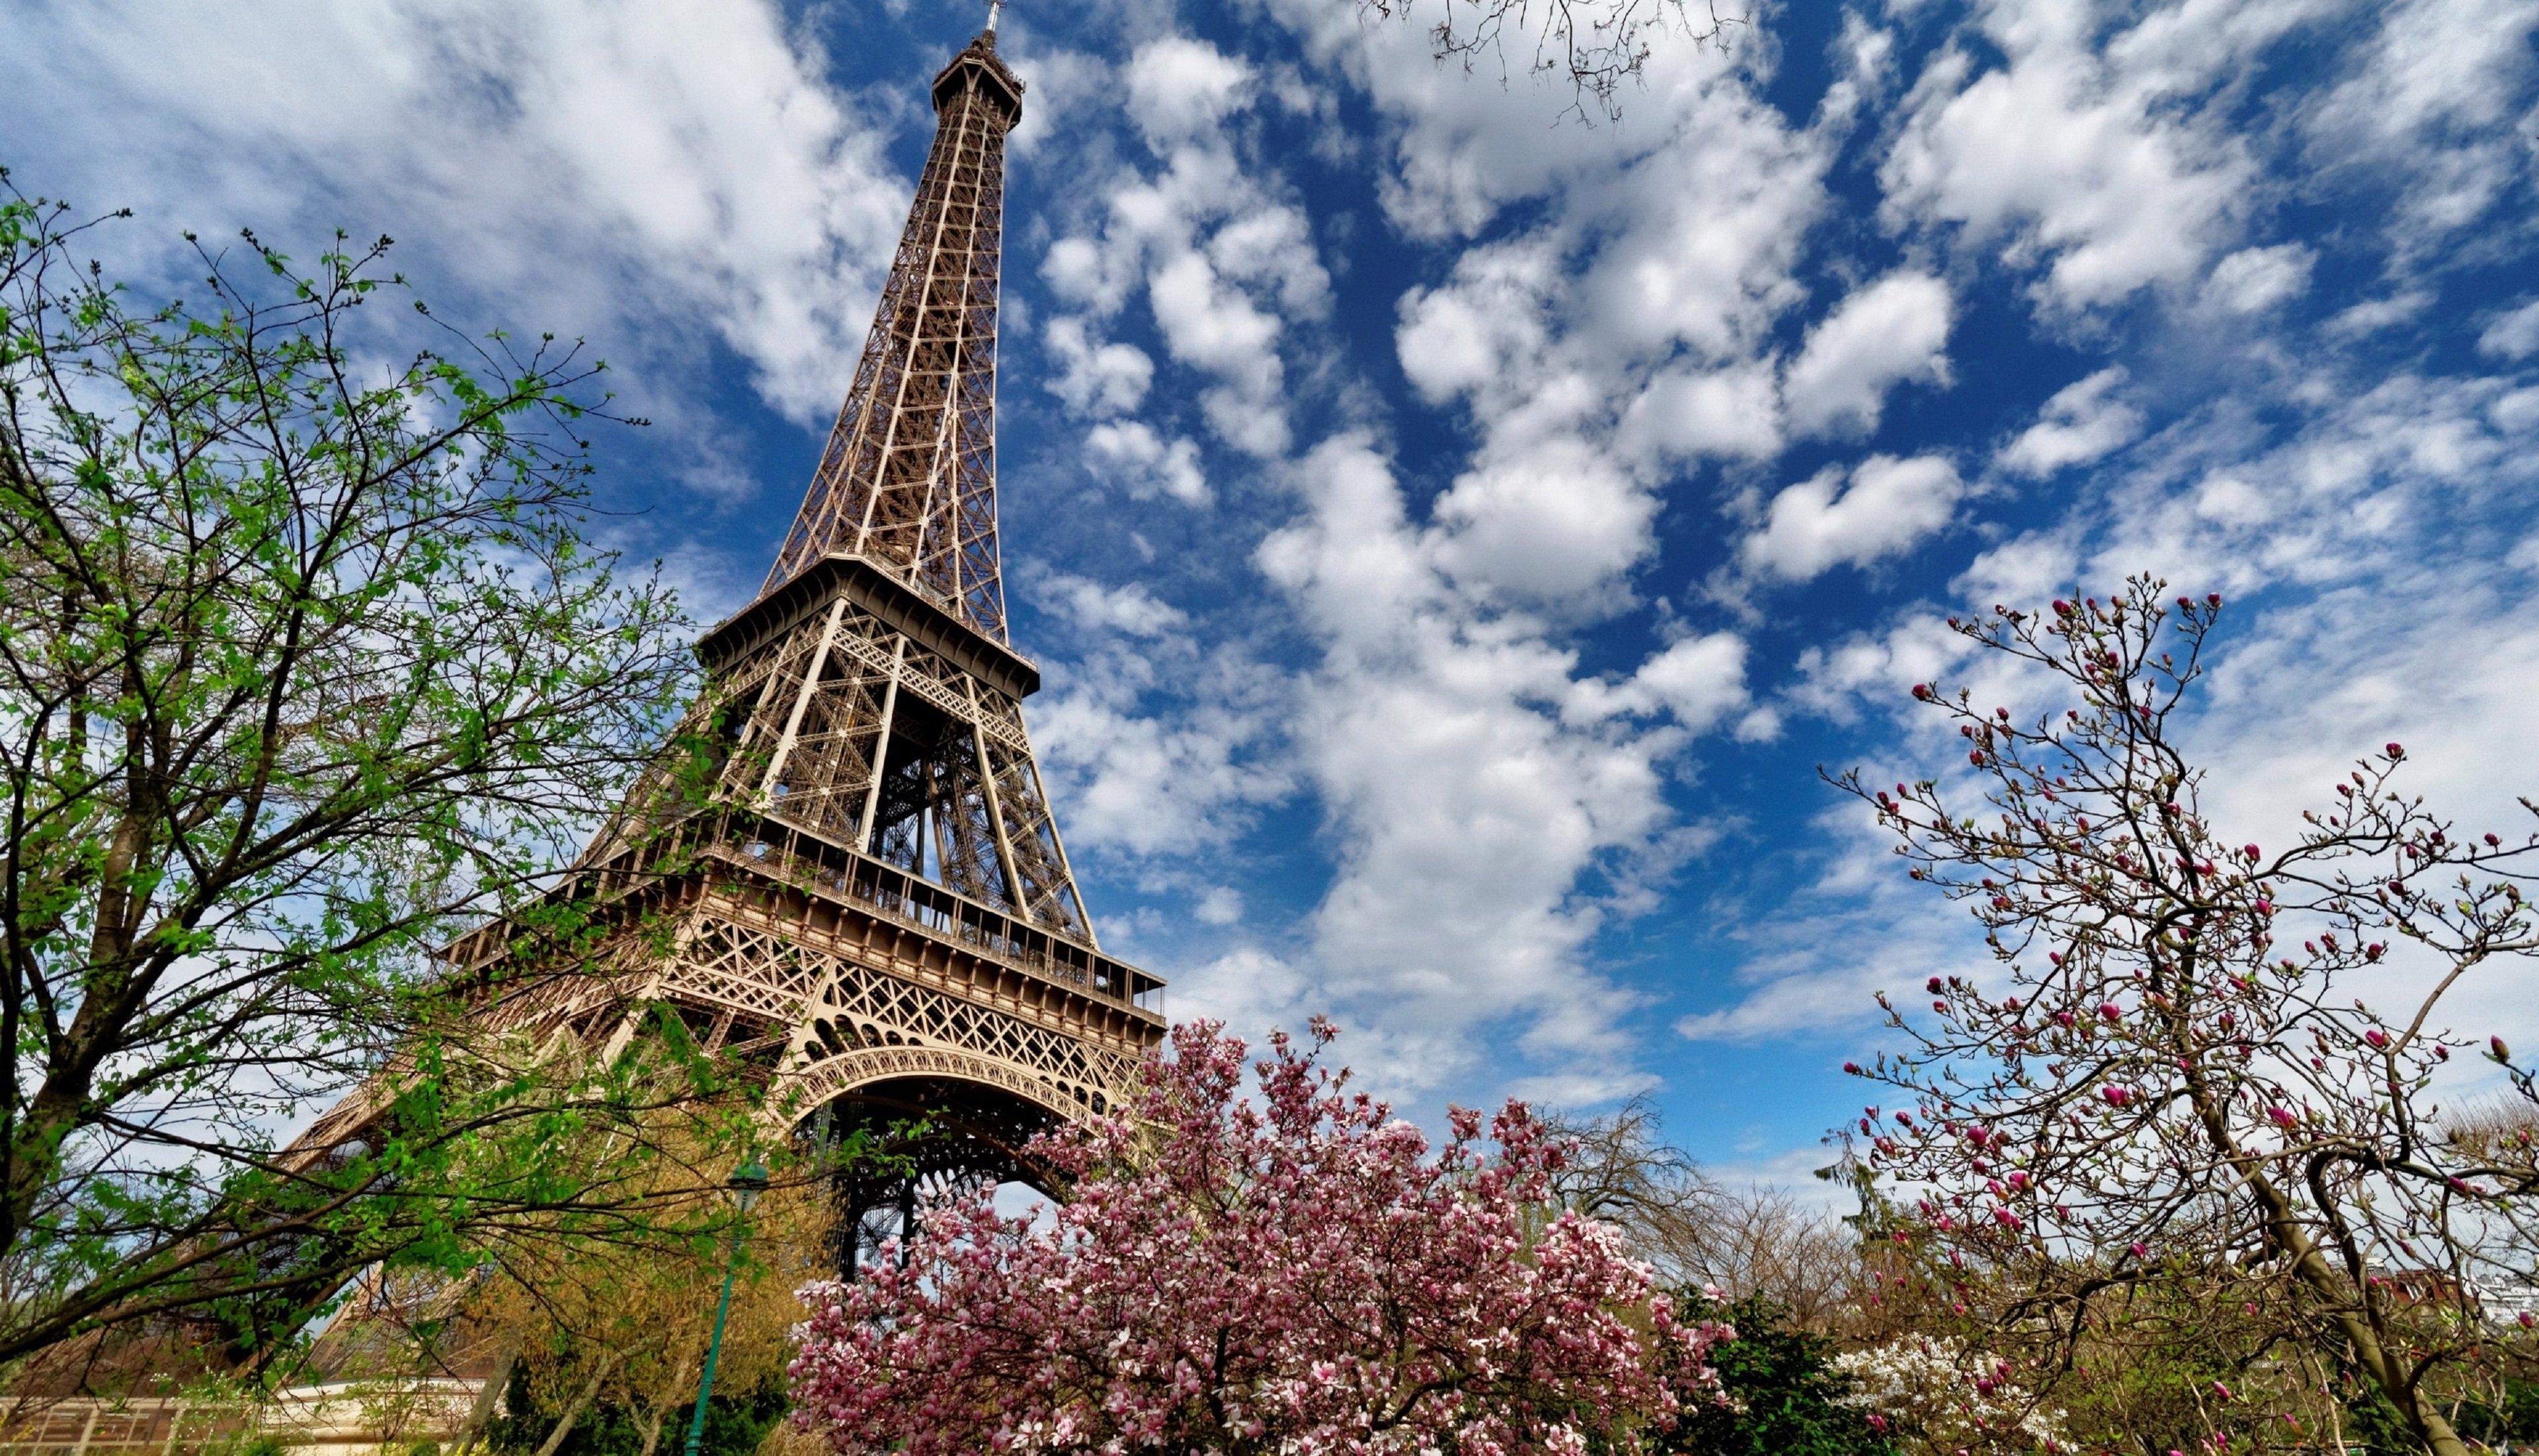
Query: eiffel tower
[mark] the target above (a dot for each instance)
(867, 898)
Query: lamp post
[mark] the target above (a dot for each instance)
(748, 1181)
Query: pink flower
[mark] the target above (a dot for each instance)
(2116, 1096)
(1105, 1330)
(2379, 1038)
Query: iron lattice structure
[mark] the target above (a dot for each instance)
(844, 871)
(910, 474)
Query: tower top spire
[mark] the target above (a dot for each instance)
(993, 7)
(908, 482)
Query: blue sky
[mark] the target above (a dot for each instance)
(1454, 536)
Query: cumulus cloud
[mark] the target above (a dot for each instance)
(1177, 86)
(537, 156)
(2255, 278)
(2083, 422)
(1699, 680)
(1886, 504)
(1483, 327)
(1157, 745)
(2055, 155)
(1550, 522)
(1130, 609)
(2513, 334)
(1473, 779)
(1223, 261)
(1095, 379)
(1132, 454)
(1892, 330)
(1683, 414)
(1220, 329)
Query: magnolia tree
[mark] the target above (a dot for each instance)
(2172, 1078)
(1300, 1276)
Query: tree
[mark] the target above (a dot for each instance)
(1598, 44)
(306, 661)
(1697, 1234)
(607, 1343)
(2170, 1079)
(1296, 1276)
(1784, 1395)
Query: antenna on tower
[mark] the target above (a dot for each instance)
(993, 7)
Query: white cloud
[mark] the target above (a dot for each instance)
(1273, 246)
(1177, 86)
(1131, 610)
(1699, 680)
(1220, 904)
(1146, 463)
(1224, 263)
(1552, 522)
(1834, 679)
(603, 168)
(1469, 793)
(1822, 522)
(1157, 747)
(1886, 333)
(2513, 334)
(2076, 166)
(1484, 326)
(1732, 414)
(1095, 379)
(2431, 105)
(1220, 329)
(2083, 422)
(2373, 314)
(2255, 278)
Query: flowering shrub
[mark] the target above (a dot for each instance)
(1299, 1277)
(1931, 1394)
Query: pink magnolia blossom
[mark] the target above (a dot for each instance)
(1298, 1277)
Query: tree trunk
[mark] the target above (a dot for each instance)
(480, 1415)
(581, 1403)
(2312, 1268)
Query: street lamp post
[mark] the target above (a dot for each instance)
(748, 1181)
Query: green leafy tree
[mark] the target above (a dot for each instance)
(1784, 1397)
(308, 661)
